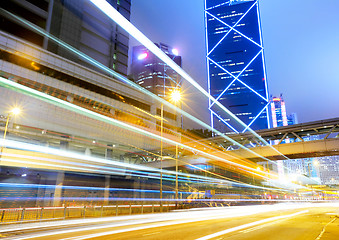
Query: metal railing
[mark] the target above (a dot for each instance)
(16, 215)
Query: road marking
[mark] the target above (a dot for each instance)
(147, 234)
(256, 228)
(324, 229)
(214, 235)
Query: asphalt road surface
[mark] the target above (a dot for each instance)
(276, 222)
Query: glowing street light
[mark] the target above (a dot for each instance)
(142, 56)
(175, 51)
(176, 96)
(14, 111)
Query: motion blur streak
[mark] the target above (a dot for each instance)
(98, 171)
(24, 185)
(42, 149)
(223, 200)
(83, 111)
(195, 215)
(68, 154)
(120, 77)
(138, 35)
(251, 225)
(20, 158)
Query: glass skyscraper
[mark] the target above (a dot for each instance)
(150, 72)
(278, 109)
(236, 67)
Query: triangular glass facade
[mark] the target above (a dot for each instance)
(236, 68)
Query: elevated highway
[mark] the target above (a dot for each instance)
(295, 150)
(316, 130)
(312, 139)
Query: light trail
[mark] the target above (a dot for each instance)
(201, 169)
(26, 185)
(120, 172)
(47, 150)
(144, 175)
(273, 219)
(138, 87)
(83, 111)
(100, 171)
(173, 218)
(188, 200)
(138, 35)
(196, 213)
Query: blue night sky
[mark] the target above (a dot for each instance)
(301, 40)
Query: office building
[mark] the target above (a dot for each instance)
(153, 74)
(236, 66)
(328, 169)
(279, 113)
(292, 119)
(278, 110)
(77, 22)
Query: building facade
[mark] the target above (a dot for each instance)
(76, 22)
(278, 110)
(279, 113)
(292, 119)
(328, 169)
(153, 74)
(236, 66)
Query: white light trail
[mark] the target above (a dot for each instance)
(214, 235)
(120, 77)
(95, 160)
(138, 35)
(83, 111)
(172, 218)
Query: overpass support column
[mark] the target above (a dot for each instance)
(106, 191)
(109, 152)
(58, 189)
(60, 179)
(64, 145)
(136, 185)
(88, 152)
(108, 156)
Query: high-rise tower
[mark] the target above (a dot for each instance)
(279, 113)
(236, 66)
(153, 74)
(278, 109)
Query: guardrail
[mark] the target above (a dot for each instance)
(17, 215)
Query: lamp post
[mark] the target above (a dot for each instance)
(161, 135)
(176, 97)
(14, 111)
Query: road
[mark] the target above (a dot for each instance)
(278, 222)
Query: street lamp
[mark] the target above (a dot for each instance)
(176, 98)
(161, 133)
(14, 111)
